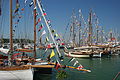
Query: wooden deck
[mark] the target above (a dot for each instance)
(40, 66)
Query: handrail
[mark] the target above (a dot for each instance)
(116, 76)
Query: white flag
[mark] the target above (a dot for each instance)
(75, 63)
(44, 32)
(25, 1)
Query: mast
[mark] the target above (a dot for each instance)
(73, 27)
(11, 33)
(34, 28)
(79, 34)
(90, 29)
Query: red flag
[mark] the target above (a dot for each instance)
(40, 27)
(57, 65)
(39, 19)
(44, 14)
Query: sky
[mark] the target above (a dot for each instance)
(60, 11)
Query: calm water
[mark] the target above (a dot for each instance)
(102, 69)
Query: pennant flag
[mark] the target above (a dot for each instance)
(57, 65)
(44, 14)
(55, 35)
(25, 1)
(47, 39)
(53, 31)
(76, 62)
(0, 7)
(13, 30)
(80, 67)
(31, 3)
(22, 9)
(44, 32)
(36, 14)
(48, 21)
(20, 16)
(48, 46)
(35, 7)
(18, 20)
(39, 19)
(17, 6)
(16, 10)
(52, 54)
(58, 39)
(41, 26)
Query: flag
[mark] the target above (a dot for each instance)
(53, 31)
(58, 39)
(25, 1)
(48, 21)
(0, 7)
(76, 62)
(47, 39)
(39, 19)
(57, 65)
(22, 9)
(80, 67)
(31, 3)
(44, 32)
(44, 14)
(52, 54)
(41, 26)
(17, 6)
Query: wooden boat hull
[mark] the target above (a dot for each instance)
(17, 75)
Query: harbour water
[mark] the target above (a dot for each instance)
(105, 68)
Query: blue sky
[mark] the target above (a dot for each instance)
(60, 12)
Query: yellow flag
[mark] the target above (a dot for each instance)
(52, 54)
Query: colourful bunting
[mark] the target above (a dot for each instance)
(52, 54)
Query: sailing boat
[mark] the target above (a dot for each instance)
(88, 50)
(14, 72)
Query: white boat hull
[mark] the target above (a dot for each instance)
(78, 55)
(17, 75)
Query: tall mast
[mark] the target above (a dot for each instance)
(11, 29)
(90, 29)
(34, 28)
(73, 27)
